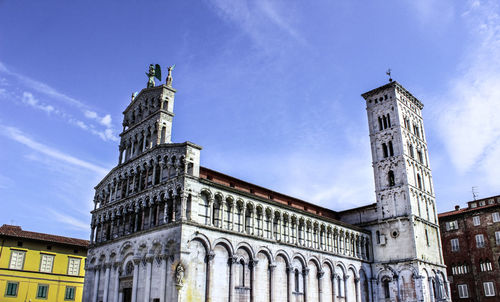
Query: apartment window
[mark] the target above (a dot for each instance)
(485, 266)
(73, 266)
(452, 225)
(42, 291)
(479, 240)
(70, 293)
(17, 259)
(454, 245)
(496, 217)
(46, 262)
(463, 291)
(489, 289)
(497, 237)
(11, 289)
(476, 220)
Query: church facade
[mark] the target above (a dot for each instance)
(165, 228)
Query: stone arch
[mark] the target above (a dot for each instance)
(364, 288)
(284, 255)
(247, 247)
(203, 239)
(267, 252)
(282, 265)
(313, 278)
(226, 243)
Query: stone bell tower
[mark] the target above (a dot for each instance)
(147, 120)
(406, 231)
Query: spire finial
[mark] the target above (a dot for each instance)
(169, 76)
(388, 72)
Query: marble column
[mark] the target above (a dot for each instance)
(106, 282)
(209, 260)
(271, 268)
(231, 262)
(305, 272)
(135, 279)
(320, 285)
(116, 293)
(97, 270)
(163, 277)
(147, 289)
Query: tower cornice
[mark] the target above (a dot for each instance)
(399, 87)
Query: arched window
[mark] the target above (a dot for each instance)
(215, 216)
(297, 283)
(129, 269)
(339, 286)
(391, 150)
(384, 150)
(390, 178)
(242, 273)
(385, 285)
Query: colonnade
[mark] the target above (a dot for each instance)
(283, 226)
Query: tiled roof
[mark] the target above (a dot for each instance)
(466, 210)
(18, 232)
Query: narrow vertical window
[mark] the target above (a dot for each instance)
(384, 119)
(384, 150)
(391, 149)
(390, 178)
(387, 292)
(388, 120)
(297, 283)
(479, 240)
(419, 181)
(378, 237)
(379, 123)
(427, 237)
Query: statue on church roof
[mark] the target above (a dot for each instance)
(154, 72)
(169, 76)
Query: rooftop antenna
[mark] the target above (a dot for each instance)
(474, 193)
(388, 72)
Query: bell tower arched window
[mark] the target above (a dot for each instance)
(385, 150)
(390, 178)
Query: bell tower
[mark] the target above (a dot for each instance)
(406, 231)
(147, 120)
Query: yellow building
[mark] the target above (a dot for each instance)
(40, 267)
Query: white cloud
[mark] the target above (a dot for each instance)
(106, 120)
(90, 114)
(17, 135)
(69, 220)
(469, 124)
(258, 18)
(30, 100)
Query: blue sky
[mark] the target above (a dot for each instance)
(270, 89)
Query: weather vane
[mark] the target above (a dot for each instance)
(388, 72)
